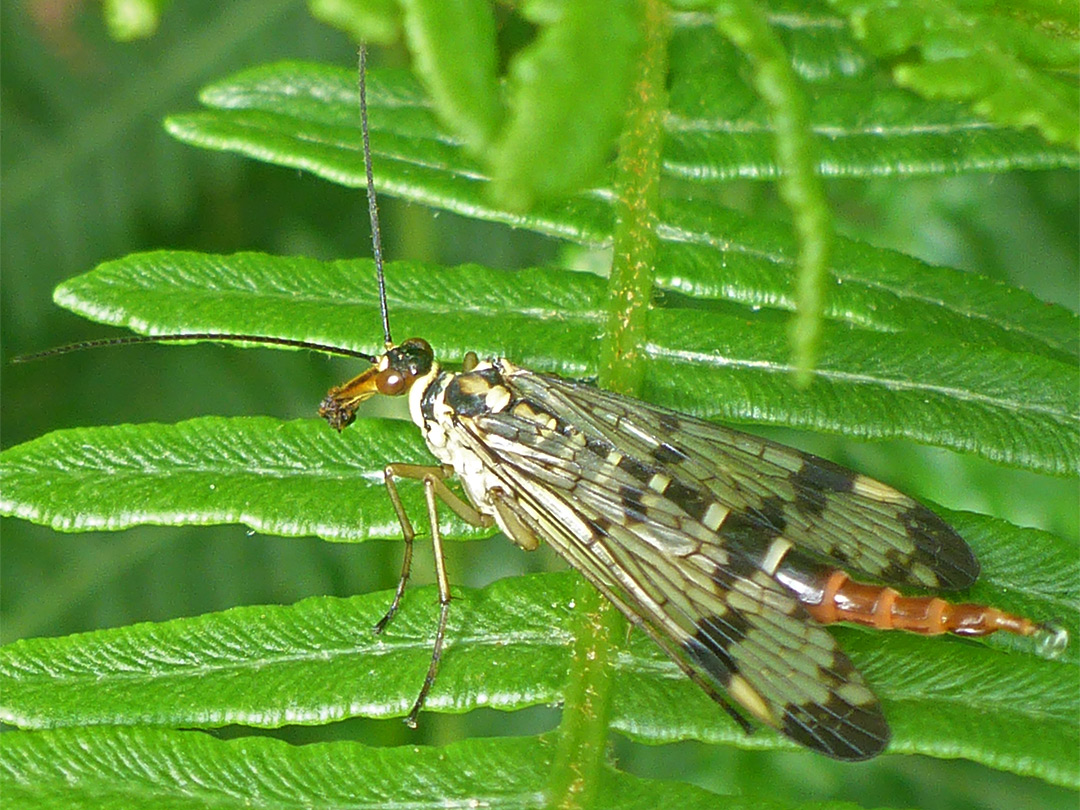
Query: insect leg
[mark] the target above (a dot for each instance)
(444, 598)
(407, 534)
(435, 489)
(465, 511)
(438, 475)
(514, 520)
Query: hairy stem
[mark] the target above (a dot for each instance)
(582, 747)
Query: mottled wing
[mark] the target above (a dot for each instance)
(771, 490)
(649, 540)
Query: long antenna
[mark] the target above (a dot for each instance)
(373, 207)
(376, 244)
(127, 341)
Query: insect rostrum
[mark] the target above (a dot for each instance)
(725, 548)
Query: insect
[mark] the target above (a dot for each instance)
(730, 551)
(727, 549)
(724, 547)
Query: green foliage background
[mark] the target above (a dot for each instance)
(89, 175)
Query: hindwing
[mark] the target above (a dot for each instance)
(852, 521)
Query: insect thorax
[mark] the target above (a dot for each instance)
(437, 405)
(447, 408)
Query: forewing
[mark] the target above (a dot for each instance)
(770, 490)
(714, 609)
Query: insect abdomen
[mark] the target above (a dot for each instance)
(830, 595)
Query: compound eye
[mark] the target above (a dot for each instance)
(391, 382)
(420, 344)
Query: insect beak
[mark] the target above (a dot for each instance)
(339, 405)
(391, 375)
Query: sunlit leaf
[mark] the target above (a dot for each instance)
(135, 768)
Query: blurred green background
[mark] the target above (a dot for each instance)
(87, 174)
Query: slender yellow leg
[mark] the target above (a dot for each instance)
(435, 489)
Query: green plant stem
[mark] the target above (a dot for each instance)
(745, 24)
(582, 745)
(637, 198)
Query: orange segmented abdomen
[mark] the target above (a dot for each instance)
(829, 595)
(845, 600)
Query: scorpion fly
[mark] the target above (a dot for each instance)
(730, 551)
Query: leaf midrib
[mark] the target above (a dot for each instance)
(964, 395)
(378, 648)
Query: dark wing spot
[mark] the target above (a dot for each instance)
(636, 469)
(748, 534)
(815, 480)
(838, 729)
(712, 642)
(630, 500)
(601, 525)
(821, 474)
(754, 528)
(951, 558)
(565, 428)
(598, 447)
(666, 454)
(669, 422)
(893, 572)
(771, 512)
(691, 500)
(938, 547)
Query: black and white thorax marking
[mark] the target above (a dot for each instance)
(443, 404)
